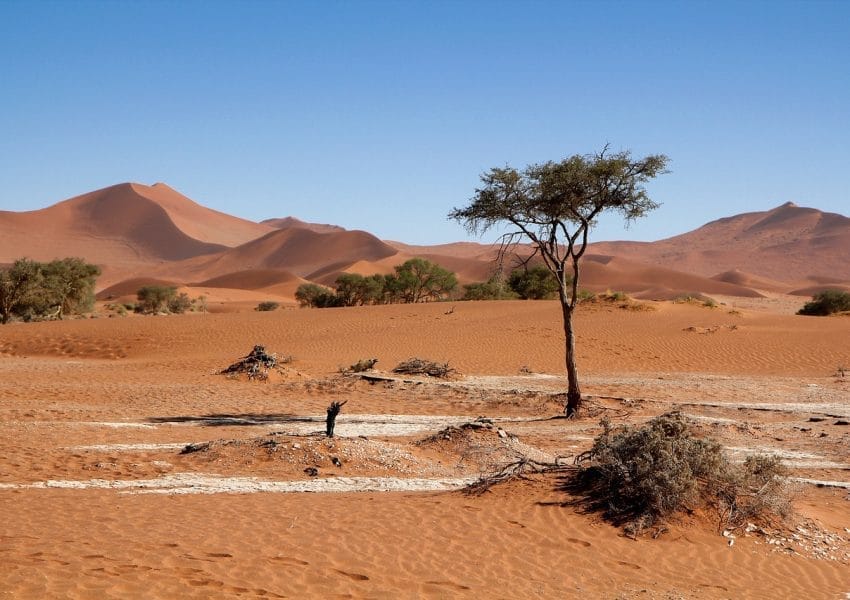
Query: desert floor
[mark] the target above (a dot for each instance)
(97, 500)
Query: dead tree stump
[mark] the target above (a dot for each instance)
(330, 422)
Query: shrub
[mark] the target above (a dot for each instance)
(610, 296)
(494, 289)
(361, 365)
(826, 303)
(316, 296)
(179, 303)
(154, 298)
(639, 475)
(268, 305)
(585, 295)
(536, 283)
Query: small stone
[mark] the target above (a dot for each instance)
(502, 433)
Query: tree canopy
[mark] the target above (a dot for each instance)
(554, 205)
(33, 290)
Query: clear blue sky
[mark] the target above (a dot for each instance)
(382, 115)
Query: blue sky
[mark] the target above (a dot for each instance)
(382, 115)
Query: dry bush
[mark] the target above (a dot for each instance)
(364, 364)
(419, 366)
(640, 475)
(256, 364)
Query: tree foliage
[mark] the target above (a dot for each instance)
(826, 303)
(356, 290)
(33, 290)
(416, 280)
(420, 280)
(534, 283)
(493, 289)
(316, 296)
(554, 205)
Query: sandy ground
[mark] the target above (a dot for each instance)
(99, 500)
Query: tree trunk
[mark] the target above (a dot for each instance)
(573, 390)
(330, 422)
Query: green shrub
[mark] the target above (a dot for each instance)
(154, 298)
(179, 303)
(536, 283)
(826, 303)
(639, 475)
(494, 289)
(610, 296)
(316, 296)
(585, 295)
(268, 305)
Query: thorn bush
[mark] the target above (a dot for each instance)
(640, 475)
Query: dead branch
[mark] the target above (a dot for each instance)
(510, 472)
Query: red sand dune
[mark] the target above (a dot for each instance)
(788, 243)
(129, 287)
(253, 279)
(136, 231)
(287, 222)
(749, 280)
(112, 225)
(816, 289)
(607, 272)
(199, 222)
(300, 251)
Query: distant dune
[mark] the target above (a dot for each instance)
(129, 287)
(115, 224)
(252, 279)
(788, 244)
(300, 251)
(602, 272)
(816, 289)
(287, 222)
(139, 233)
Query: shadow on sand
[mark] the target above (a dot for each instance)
(242, 419)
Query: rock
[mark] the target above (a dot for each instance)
(502, 433)
(311, 471)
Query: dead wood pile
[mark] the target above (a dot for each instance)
(256, 364)
(419, 366)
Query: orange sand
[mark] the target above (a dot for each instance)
(67, 387)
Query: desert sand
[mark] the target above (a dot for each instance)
(97, 500)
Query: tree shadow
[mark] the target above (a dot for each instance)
(588, 496)
(236, 419)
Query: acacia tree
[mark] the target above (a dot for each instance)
(554, 205)
(18, 284)
(420, 280)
